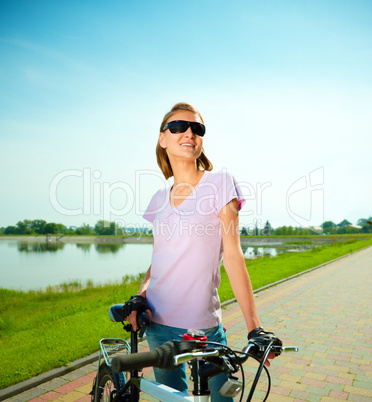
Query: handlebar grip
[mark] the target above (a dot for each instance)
(161, 357)
(116, 315)
(143, 320)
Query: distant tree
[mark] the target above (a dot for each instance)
(347, 230)
(345, 222)
(23, 227)
(51, 228)
(105, 228)
(303, 231)
(327, 225)
(281, 231)
(244, 232)
(38, 226)
(362, 222)
(267, 230)
(61, 228)
(70, 232)
(84, 229)
(366, 225)
(101, 226)
(9, 230)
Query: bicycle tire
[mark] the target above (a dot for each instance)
(108, 384)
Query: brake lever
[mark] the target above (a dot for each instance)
(185, 357)
(290, 349)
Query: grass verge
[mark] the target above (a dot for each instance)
(43, 330)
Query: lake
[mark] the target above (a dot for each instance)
(26, 265)
(32, 265)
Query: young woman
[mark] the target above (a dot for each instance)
(193, 224)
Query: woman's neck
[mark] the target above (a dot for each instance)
(186, 173)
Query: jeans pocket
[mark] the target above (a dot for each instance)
(215, 334)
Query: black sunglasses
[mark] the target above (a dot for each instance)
(180, 126)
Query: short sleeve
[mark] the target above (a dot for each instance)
(151, 210)
(228, 189)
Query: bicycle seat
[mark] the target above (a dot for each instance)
(116, 313)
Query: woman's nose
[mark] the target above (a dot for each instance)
(189, 132)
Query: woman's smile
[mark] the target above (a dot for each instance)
(188, 144)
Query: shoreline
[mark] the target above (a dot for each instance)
(81, 239)
(259, 241)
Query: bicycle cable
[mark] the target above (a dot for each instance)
(234, 352)
(258, 374)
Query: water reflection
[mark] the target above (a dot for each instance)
(254, 252)
(84, 247)
(36, 247)
(34, 264)
(108, 248)
(31, 247)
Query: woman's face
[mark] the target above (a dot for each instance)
(182, 145)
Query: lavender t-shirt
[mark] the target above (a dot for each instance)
(185, 266)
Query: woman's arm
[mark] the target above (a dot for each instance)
(234, 263)
(146, 280)
(145, 283)
(132, 317)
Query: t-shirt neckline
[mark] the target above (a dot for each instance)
(192, 192)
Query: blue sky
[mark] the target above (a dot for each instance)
(284, 87)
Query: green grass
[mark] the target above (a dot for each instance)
(351, 236)
(41, 330)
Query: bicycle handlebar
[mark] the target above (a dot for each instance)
(160, 357)
(171, 354)
(167, 356)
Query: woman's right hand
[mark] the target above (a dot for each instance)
(132, 318)
(136, 304)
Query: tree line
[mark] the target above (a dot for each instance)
(41, 227)
(105, 228)
(326, 228)
(345, 227)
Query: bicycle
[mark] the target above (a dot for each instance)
(118, 377)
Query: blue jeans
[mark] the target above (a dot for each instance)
(158, 334)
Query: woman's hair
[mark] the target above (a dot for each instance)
(202, 163)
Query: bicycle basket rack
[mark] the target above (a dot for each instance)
(112, 346)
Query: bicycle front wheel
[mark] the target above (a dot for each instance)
(108, 384)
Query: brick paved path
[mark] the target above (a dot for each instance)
(325, 312)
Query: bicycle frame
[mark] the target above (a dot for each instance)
(167, 394)
(202, 362)
(136, 384)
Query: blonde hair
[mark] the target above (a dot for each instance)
(202, 163)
